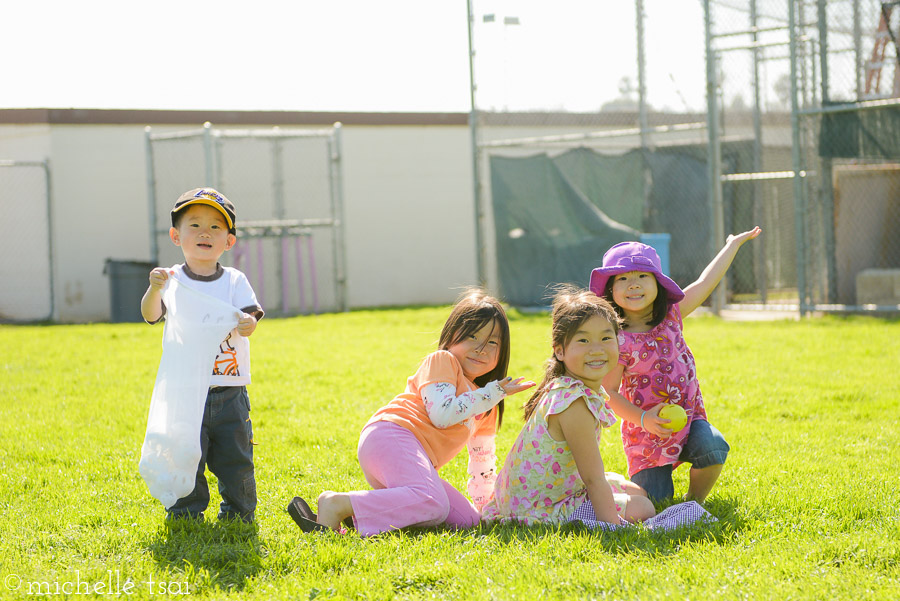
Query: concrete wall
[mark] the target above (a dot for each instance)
(409, 211)
(407, 202)
(99, 202)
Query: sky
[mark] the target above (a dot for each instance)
(345, 55)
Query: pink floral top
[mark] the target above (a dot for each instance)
(539, 482)
(659, 368)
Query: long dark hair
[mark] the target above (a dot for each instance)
(571, 308)
(474, 310)
(660, 303)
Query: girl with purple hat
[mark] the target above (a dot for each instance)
(656, 367)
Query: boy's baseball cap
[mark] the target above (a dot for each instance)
(633, 256)
(209, 197)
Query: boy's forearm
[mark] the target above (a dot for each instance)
(151, 305)
(247, 324)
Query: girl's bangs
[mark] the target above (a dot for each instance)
(475, 321)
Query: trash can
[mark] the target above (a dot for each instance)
(661, 243)
(128, 280)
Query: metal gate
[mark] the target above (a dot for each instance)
(26, 269)
(286, 185)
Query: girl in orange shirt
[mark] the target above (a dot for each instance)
(454, 400)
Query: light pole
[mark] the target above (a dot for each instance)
(476, 156)
(481, 258)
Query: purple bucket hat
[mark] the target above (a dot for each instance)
(633, 256)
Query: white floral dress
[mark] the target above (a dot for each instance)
(539, 482)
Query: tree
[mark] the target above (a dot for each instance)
(782, 89)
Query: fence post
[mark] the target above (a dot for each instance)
(46, 166)
(759, 212)
(827, 177)
(714, 160)
(476, 155)
(207, 154)
(797, 161)
(339, 248)
(151, 195)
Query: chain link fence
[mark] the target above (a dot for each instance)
(824, 184)
(789, 125)
(286, 186)
(26, 269)
(751, 76)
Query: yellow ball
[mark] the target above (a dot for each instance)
(676, 415)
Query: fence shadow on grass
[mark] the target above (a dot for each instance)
(221, 554)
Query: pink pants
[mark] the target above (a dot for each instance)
(408, 490)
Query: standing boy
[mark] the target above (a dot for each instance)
(203, 225)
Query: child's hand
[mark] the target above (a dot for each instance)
(246, 325)
(511, 386)
(158, 278)
(653, 423)
(741, 238)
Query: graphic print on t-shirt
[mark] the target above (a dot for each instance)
(226, 361)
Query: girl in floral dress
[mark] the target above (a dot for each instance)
(656, 367)
(554, 472)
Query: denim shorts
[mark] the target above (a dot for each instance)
(705, 446)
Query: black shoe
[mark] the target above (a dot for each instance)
(300, 506)
(304, 517)
(302, 514)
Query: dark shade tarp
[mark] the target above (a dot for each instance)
(556, 216)
(547, 231)
(869, 134)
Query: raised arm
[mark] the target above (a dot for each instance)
(699, 291)
(151, 302)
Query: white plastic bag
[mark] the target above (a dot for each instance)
(195, 325)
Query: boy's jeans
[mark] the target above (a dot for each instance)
(226, 445)
(705, 446)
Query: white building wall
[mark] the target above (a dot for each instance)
(99, 201)
(24, 142)
(407, 202)
(410, 217)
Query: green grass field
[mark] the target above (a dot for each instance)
(807, 503)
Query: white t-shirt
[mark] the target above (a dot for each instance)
(196, 323)
(232, 364)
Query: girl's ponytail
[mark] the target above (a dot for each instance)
(553, 369)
